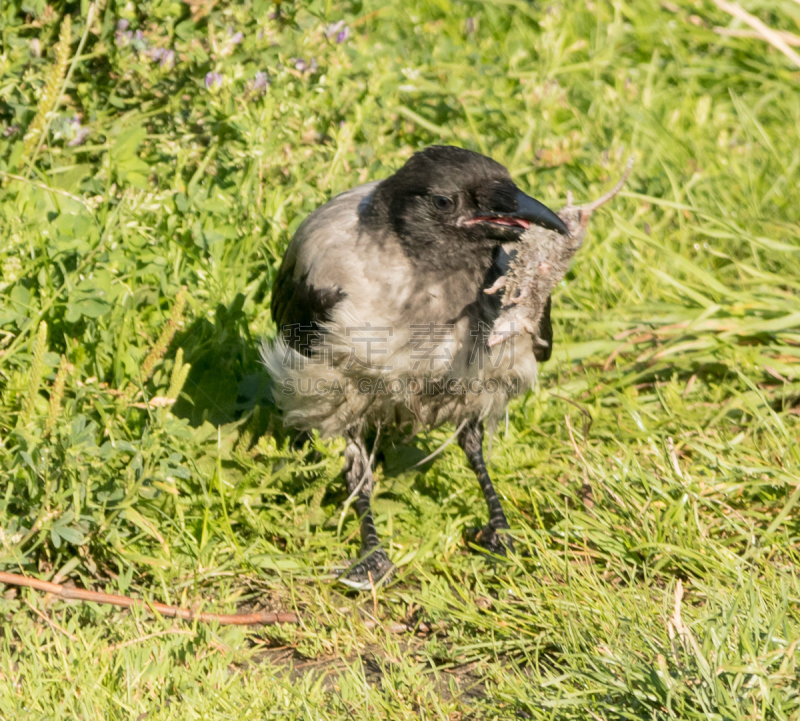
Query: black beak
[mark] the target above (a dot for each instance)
(538, 213)
(529, 212)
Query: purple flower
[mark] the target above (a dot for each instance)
(164, 56)
(80, 133)
(213, 80)
(231, 41)
(11, 130)
(168, 59)
(139, 41)
(260, 82)
(337, 30)
(300, 64)
(122, 36)
(80, 136)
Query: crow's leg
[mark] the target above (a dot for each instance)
(374, 566)
(491, 536)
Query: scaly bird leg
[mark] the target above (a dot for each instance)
(374, 566)
(491, 536)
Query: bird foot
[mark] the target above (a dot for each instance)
(374, 569)
(498, 542)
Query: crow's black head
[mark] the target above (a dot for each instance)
(450, 200)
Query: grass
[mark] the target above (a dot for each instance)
(658, 544)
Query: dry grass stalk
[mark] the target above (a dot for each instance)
(767, 33)
(788, 38)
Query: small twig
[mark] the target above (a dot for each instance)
(766, 32)
(614, 353)
(443, 446)
(587, 417)
(80, 594)
(50, 623)
(577, 450)
(263, 618)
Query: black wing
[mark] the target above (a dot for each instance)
(298, 307)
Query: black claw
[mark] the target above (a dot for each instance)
(374, 569)
(496, 542)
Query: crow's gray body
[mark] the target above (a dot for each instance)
(383, 320)
(380, 285)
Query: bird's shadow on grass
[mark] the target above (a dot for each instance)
(227, 380)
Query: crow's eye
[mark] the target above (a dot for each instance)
(443, 203)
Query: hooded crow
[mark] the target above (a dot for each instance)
(383, 321)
